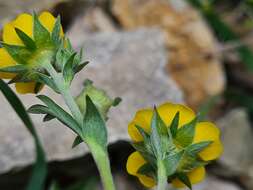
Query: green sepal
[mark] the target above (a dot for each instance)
(68, 72)
(22, 77)
(62, 56)
(146, 143)
(147, 170)
(41, 35)
(14, 69)
(48, 117)
(190, 162)
(161, 141)
(184, 179)
(143, 133)
(55, 35)
(155, 137)
(19, 53)
(37, 87)
(42, 78)
(194, 149)
(174, 125)
(172, 161)
(69, 46)
(28, 42)
(80, 66)
(78, 140)
(94, 125)
(116, 101)
(185, 134)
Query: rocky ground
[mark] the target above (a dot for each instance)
(147, 52)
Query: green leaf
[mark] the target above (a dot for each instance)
(38, 109)
(19, 53)
(60, 114)
(186, 133)
(14, 69)
(194, 149)
(56, 31)
(39, 172)
(68, 72)
(184, 179)
(48, 117)
(94, 127)
(40, 33)
(174, 125)
(28, 42)
(171, 162)
(78, 140)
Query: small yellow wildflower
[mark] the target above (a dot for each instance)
(204, 131)
(23, 22)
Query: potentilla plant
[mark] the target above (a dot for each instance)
(35, 53)
(172, 146)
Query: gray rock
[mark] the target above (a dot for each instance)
(212, 183)
(237, 138)
(125, 64)
(9, 9)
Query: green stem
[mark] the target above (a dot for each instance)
(65, 92)
(99, 153)
(161, 176)
(101, 158)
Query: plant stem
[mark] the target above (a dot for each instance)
(101, 158)
(65, 92)
(161, 175)
(99, 153)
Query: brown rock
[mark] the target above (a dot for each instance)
(190, 43)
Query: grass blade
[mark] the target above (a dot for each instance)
(40, 168)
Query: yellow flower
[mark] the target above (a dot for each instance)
(204, 131)
(23, 22)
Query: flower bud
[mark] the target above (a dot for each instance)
(98, 96)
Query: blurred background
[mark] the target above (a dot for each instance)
(197, 52)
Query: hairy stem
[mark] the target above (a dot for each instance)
(65, 92)
(99, 153)
(161, 176)
(101, 158)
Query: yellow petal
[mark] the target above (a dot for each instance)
(207, 131)
(167, 112)
(146, 181)
(48, 21)
(143, 119)
(22, 22)
(24, 88)
(195, 176)
(6, 61)
(134, 162)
